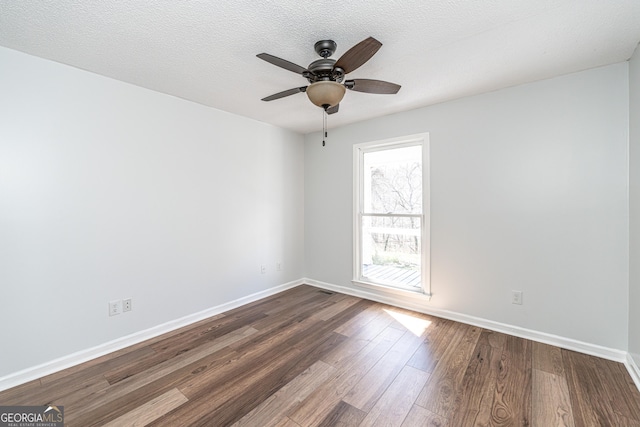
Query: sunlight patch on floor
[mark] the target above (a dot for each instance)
(414, 324)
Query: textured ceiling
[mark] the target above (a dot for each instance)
(437, 50)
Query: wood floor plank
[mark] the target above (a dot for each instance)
(98, 402)
(269, 347)
(340, 305)
(73, 396)
(439, 394)
(293, 302)
(623, 394)
(150, 411)
(224, 405)
(309, 306)
(265, 304)
(57, 386)
(373, 384)
(286, 422)
(276, 329)
(97, 366)
(239, 368)
(64, 390)
(279, 381)
(475, 396)
(314, 408)
(75, 415)
(273, 409)
(394, 405)
(551, 404)
(21, 394)
(358, 322)
(483, 414)
(116, 403)
(436, 341)
(295, 329)
(359, 338)
(287, 361)
(343, 415)
(589, 405)
(512, 398)
(547, 358)
(622, 421)
(420, 417)
(94, 369)
(179, 343)
(184, 341)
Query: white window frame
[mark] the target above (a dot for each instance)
(358, 202)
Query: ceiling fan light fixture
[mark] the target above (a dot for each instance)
(326, 76)
(325, 94)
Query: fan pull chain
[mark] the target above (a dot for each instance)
(324, 126)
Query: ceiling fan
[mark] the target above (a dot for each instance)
(326, 76)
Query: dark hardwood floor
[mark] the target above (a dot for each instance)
(308, 357)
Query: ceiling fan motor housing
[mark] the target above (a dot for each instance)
(324, 70)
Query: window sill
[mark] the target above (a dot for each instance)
(390, 290)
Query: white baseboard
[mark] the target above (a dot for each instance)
(633, 369)
(420, 306)
(82, 356)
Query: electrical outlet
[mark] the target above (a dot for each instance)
(127, 305)
(115, 307)
(516, 297)
(278, 266)
(263, 269)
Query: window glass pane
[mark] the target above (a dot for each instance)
(392, 181)
(391, 250)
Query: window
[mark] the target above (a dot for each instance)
(391, 206)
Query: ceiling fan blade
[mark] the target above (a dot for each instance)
(358, 55)
(372, 86)
(282, 63)
(285, 93)
(334, 109)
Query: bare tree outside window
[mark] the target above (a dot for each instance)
(392, 220)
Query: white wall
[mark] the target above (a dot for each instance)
(528, 192)
(108, 191)
(634, 206)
